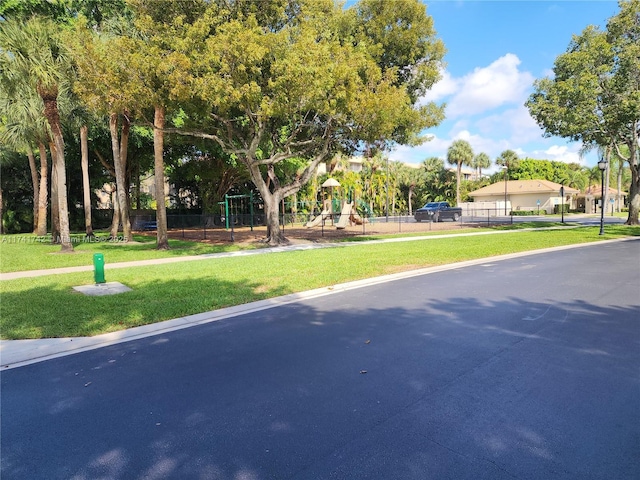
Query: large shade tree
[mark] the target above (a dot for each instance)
(594, 95)
(305, 79)
(104, 85)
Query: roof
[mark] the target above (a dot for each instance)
(596, 191)
(515, 187)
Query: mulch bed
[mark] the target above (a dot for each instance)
(301, 234)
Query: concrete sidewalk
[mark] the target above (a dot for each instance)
(16, 353)
(159, 261)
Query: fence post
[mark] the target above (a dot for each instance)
(226, 210)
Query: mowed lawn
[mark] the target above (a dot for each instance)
(29, 252)
(48, 306)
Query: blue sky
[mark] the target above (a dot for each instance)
(495, 50)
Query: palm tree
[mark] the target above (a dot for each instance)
(86, 189)
(459, 153)
(374, 180)
(22, 127)
(508, 159)
(576, 179)
(32, 55)
(409, 179)
(479, 162)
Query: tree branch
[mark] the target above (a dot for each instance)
(104, 163)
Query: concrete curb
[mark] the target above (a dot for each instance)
(18, 353)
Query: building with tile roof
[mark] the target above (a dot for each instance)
(531, 195)
(589, 201)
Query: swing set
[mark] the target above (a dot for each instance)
(229, 207)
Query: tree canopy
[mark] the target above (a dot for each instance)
(594, 94)
(297, 79)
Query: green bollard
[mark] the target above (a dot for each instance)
(98, 267)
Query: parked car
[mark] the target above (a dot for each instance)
(438, 211)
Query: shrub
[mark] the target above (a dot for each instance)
(559, 208)
(17, 221)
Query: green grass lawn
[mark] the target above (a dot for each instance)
(48, 307)
(27, 252)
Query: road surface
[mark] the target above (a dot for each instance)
(519, 369)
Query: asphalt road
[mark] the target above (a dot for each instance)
(520, 369)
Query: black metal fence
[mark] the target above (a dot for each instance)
(185, 222)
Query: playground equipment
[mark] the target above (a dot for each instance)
(229, 206)
(318, 219)
(348, 216)
(355, 218)
(327, 211)
(347, 210)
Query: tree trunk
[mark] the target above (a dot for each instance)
(158, 164)
(458, 174)
(275, 236)
(1, 212)
(55, 213)
(86, 189)
(36, 188)
(619, 186)
(120, 168)
(634, 199)
(411, 188)
(124, 149)
(53, 118)
(634, 190)
(63, 211)
(115, 220)
(44, 188)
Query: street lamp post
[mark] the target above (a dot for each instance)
(562, 201)
(602, 165)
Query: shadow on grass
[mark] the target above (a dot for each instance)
(455, 388)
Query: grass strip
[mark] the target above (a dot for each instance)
(29, 252)
(48, 307)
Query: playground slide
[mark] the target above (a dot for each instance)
(344, 216)
(318, 220)
(355, 218)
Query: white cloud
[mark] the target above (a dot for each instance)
(486, 108)
(482, 143)
(563, 153)
(490, 87)
(483, 89)
(445, 87)
(436, 147)
(514, 124)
